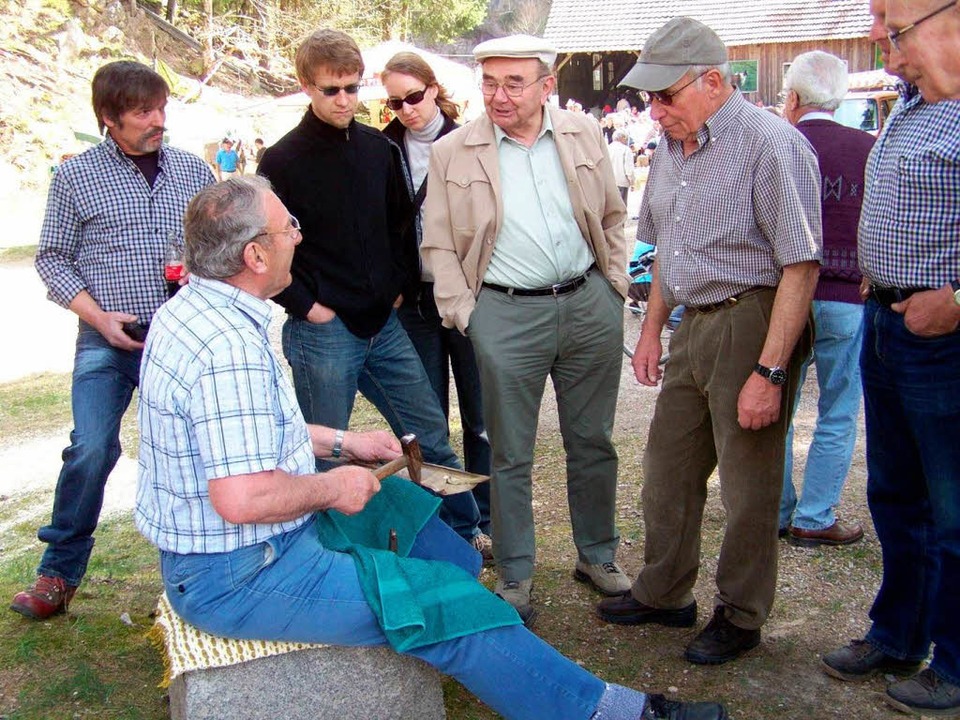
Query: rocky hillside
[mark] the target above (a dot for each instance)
(49, 50)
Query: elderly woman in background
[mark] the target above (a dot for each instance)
(425, 112)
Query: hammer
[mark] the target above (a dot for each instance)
(412, 460)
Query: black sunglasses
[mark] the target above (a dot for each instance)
(334, 90)
(414, 98)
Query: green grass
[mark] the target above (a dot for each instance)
(90, 664)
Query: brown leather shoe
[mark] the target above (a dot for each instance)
(836, 534)
(47, 597)
(624, 610)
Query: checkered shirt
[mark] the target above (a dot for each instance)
(910, 223)
(214, 402)
(732, 214)
(105, 229)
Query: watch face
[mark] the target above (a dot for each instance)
(778, 376)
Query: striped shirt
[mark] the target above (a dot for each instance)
(214, 402)
(731, 215)
(106, 229)
(910, 223)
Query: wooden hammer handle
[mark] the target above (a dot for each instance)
(390, 468)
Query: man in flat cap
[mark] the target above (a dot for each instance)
(732, 204)
(524, 236)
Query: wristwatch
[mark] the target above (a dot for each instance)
(955, 284)
(776, 375)
(337, 444)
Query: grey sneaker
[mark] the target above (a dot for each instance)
(860, 660)
(517, 593)
(926, 693)
(606, 577)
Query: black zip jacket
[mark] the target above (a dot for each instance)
(348, 190)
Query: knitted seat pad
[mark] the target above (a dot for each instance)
(186, 648)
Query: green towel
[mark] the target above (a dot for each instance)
(418, 602)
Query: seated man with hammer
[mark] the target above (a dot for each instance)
(229, 492)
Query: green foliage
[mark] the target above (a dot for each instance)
(440, 21)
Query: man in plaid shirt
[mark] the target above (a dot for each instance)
(909, 253)
(110, 214)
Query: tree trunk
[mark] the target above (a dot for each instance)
(208, 39)
(172, 11)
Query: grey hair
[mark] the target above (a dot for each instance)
(819, 79)
(219, 222)
(723, 69)
(620, 134)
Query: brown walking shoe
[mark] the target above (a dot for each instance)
(836, 534)
(47, 597)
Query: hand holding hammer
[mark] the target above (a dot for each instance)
(412, 460)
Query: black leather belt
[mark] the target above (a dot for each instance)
(726, 302)
(567, 286)
(887, 296)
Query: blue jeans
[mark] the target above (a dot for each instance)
(330, 364)
(292, 588)
(911, 390)
(835, 350)
(103, 382)
(440, 349)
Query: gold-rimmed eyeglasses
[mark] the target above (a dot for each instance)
(895, 35)
(292, 231)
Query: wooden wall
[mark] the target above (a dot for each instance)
(576, 75)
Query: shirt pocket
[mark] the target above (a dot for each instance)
(926, 183)
(470, 199)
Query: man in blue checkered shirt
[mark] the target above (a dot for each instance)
(110, 214)
(909, 251)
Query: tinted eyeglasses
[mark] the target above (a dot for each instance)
(334, 90)
(513, 88)
(414, 98)
(666, 98)
(895, 35)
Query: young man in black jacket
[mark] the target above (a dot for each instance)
(344, 182)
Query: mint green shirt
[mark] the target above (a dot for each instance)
(539, 243)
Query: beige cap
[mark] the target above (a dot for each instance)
(517, 46)
(671, 50)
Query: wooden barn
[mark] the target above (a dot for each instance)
(600, 40)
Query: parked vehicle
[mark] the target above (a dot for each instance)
(866, 110)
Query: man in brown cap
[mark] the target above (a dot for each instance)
(524, 236)
(732, 205)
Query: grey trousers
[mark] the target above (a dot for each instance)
(695, 430)
(576, 339)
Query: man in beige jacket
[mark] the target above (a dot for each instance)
(524, 235)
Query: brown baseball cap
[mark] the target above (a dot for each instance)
(672, 50)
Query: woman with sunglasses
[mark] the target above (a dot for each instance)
(424, 113)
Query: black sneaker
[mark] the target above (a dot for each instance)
(659, 708)
(860, 660)
(721, 641)
(926, 693)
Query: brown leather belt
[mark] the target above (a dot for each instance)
(567, 286)
(726, 302)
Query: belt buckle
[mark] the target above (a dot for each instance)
(556, 289)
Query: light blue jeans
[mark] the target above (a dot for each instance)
(292, 588)
(330, 364)
(104, 379)
(836, 349)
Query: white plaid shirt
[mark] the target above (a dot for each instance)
(909, 233)
(730, 216)
(105, 229)
(214, 402)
